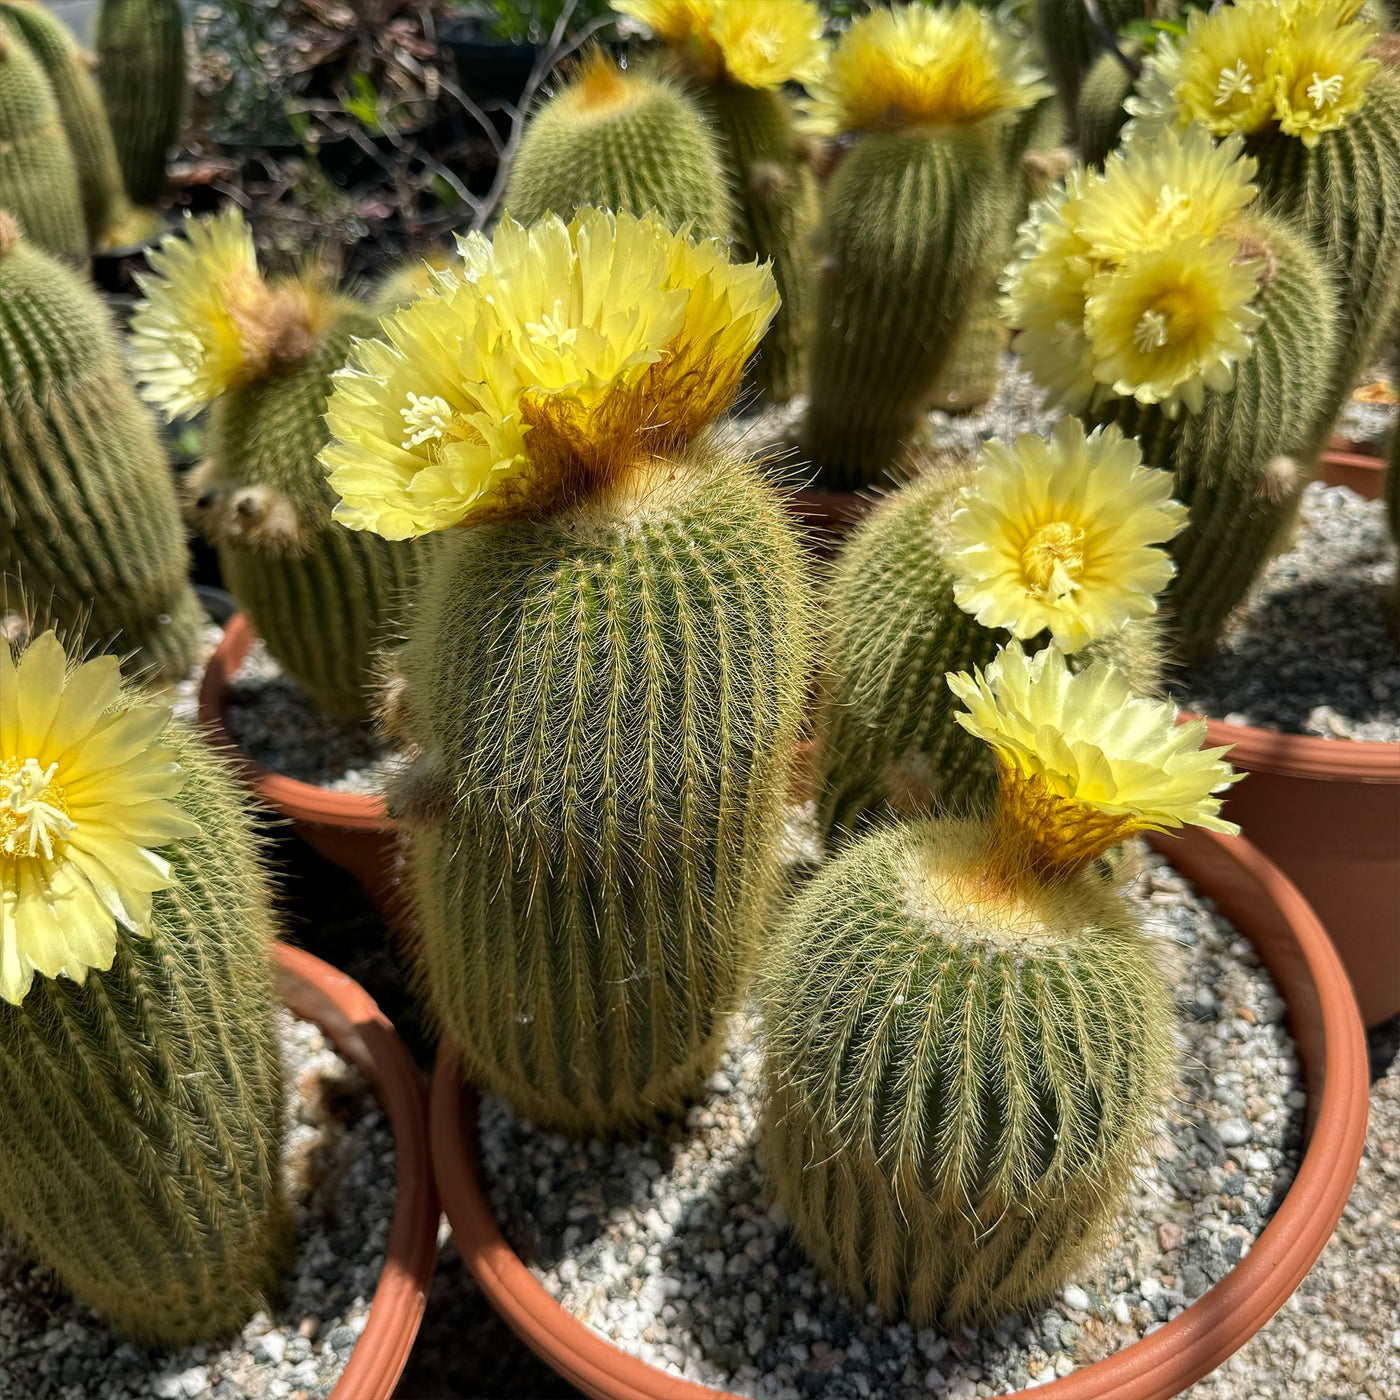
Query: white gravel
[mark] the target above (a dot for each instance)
(672, 1247)
(339, 1170)
(1313, 648)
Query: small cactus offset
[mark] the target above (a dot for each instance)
(141, 69)
(80, 109)
(1101, 114)
(1072, 47)
(606, 673)
(622, 140)
(141, 1092)
(911, 222)
(1038, 536)
(38, 175)
(89, 523)
(324, 600)
(735, 57)
(1210, 335)
(1321, 117)
(969, 1041)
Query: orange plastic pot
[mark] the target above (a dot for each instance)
(1327, 813)
(1353, 464)
(351, 829)
(315, 991)
(1268, 909)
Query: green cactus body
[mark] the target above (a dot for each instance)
(324, 599)
(79, 108)
(909, 219)
(38, 176)
(608, 701)
(623, 141)
(973, 368)
(958, 1087)
(888, 741)
(1345, 192)
(1069, 43)
(773, 192)
(141, 1110)
(89, 524)
(1107, 85)
(141, 69)
(1241, 463)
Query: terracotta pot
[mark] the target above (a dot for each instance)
(351, 829)
(315, 991)
(1356, 465)
(1254, 895)
(1327, 813)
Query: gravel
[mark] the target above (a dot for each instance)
(1370, 419)
(672, 1246)
(276, 724)
(1312, 650)
(339, 1170)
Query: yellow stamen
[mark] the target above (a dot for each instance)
(1236, 80)
(1053, 560)
(1151, 332)
(33, 812)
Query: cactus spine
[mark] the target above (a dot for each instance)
(620, 140)
(957, 1087)
(38, 176)
(607, 700)
(79, 108)
(141, 1119)
(141, 68)
(88, 519)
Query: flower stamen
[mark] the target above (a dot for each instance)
(1325, 92)
(1236, 81)
(33, 813)
(1053, 560)
(426, 419)
(1151, 333)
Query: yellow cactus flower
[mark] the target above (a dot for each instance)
(1325, 71)
(1084, 764)
(210, 322)
(560, 353)
(1171, 323)
(754, 43)
(919, 66)
(1061, 534)
(1228, 63)
(84, 802)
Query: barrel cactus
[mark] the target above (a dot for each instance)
(141, 1108)
(213, 331)
(89, 523)
(911, 221)
(1070, 43)
(969, 1040)
(605, 673)
(1040, 538)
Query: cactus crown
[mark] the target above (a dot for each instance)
(1138, 282)
(752, 43)
(211, 322)
(84, 798)
(1083, 765)
(1060, 534)
(1298, 66)
(924, 67)
(563, 356)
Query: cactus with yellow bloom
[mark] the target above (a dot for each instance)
(1321, 117)
(605, 675)
(213, 331)
(910, 220)
(969, 1039)
(1038, 539)
(140, 1081)
(735, 56)
(1153, 295)
(623, 140)
(89, 523)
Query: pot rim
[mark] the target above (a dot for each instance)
(353, 811)
(1304, 755)
(315, 991)
(1256, 896)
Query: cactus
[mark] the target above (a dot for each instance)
(1070, 45)
(89, 523)
(80, 109)
(323, 600)
(141, 69)
(38, 176)
(141, 1120)
(622, 140)
(955, 1102)
(1100, 111)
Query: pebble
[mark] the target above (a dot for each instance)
(339, 1170)
(763, 1323)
